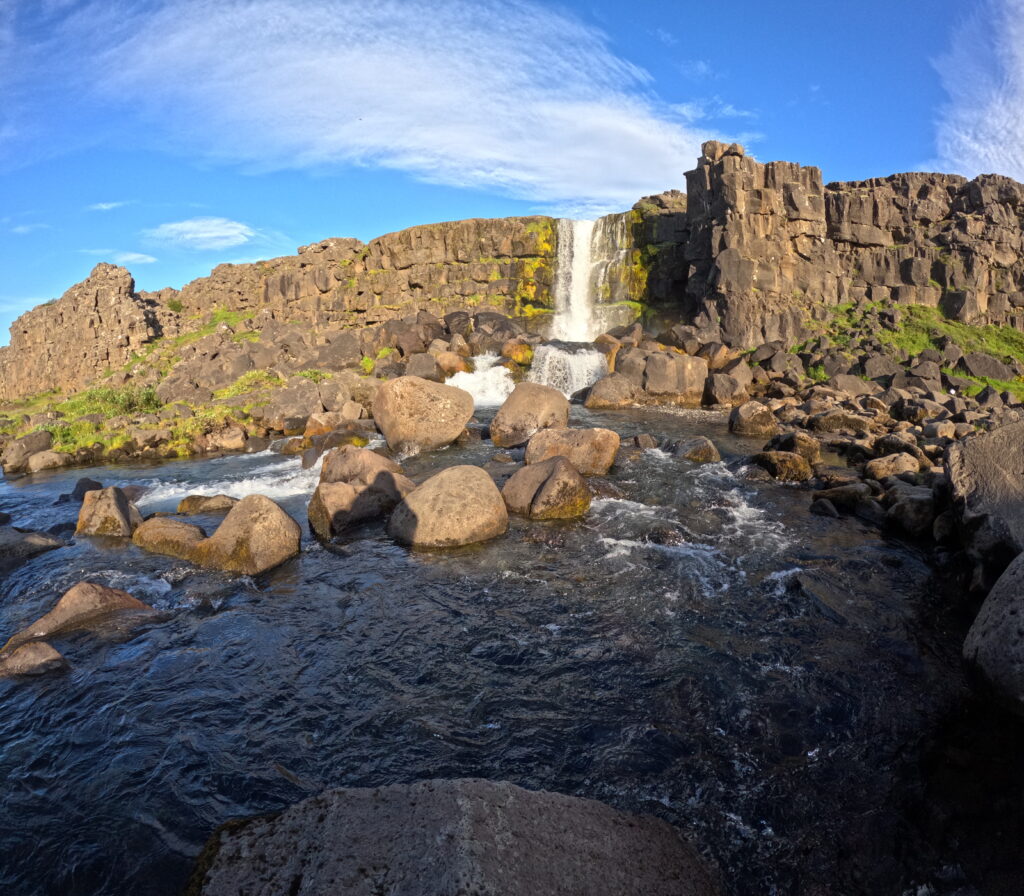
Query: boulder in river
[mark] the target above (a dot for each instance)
(17, 547)
(447, 837)
(174, 538)
(460, 505)
(612, 391)
(753, 419)
(194, 504)
(33, 658)
(698, 450)
(787, 466)
(530, 408)
(418, 415)
(255, 536)
(80, 607)
(994, 648)
(107, 511)
(591, 451)
(16, 454)
(550, 490)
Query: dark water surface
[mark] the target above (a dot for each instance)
(701, 648)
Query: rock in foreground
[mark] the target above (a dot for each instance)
(591, 451)
(107, 512)
(415, 414)
(18, 547)
(994, 647)
(442, 838)
(460, 505)
(550, 490)
(531, 407)
(34, 658)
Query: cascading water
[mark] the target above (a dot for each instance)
(489, 383)
(574, 295)
(568, 367)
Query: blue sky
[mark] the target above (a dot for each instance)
(172, 136)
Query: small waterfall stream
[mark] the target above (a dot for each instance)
(574, 293)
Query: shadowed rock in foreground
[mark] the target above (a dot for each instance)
(442, 838)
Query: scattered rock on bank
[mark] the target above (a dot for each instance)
(415, 414)
(530, 408)
(107, 511)
(16, 454)
(460, 505)
(465, 836)
(549, 490)
(33, 658)
(80, 607)
(994, 648)
(591, 451)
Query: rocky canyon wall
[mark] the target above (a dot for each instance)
(753, 252)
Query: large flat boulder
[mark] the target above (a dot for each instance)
(591, 451)
(460, 505)
(530, 408)
(80, 607)
(414, 414)
(994, 647)
(443, 838)
(986, 473)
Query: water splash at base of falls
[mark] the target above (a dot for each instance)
(489, 383)
(567, 366)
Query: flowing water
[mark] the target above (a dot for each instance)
(568, 367)
(573, 287)
(698, 647)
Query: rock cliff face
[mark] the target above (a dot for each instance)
(771, 248)
(61, 345)
(753, 253)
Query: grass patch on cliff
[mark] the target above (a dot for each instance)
(253, 381)
(110, 401)
(922, 328)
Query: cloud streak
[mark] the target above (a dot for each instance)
(981, 127)
(513, 97)
(202, 233)
(107, 206)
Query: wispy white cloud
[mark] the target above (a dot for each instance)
(107, 206)
(513, 96)
(202, 233)
(665, 36)
(22, 229)
(133, 258)
(981, 127)
(696, 69)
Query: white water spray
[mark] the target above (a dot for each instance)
(568, 368)
(489, 383)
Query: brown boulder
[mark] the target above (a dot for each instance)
(785, 465)
(552, 489)
(255, 536)
(891, 465)
(417, 415)
(753, 419)
(80, 606)
(48, 460)
(33, 658)
(171, 537)
(335, 506)
(611, 391)
(698, 450)
(460, 505)
(194, 504)
(14, 458)
(591, 451)
(19, 547)
(530, 408)
(107, 511)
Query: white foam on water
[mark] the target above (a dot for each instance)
(283, 479)
(570, 370)
(489, 383)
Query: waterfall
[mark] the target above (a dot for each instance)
(568, 367)
(573, 288)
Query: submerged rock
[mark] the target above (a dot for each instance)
(591, 451)
(18, 547)
(994, 648)
(418, 415)
(107, 511)
(460, 505)
(33, 658)
(530, 408)
(447, 837)
(80, 607)
(698, 450)
(550, 490)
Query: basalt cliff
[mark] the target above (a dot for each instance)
(751, 253)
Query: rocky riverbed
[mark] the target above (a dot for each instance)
(785, 687)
